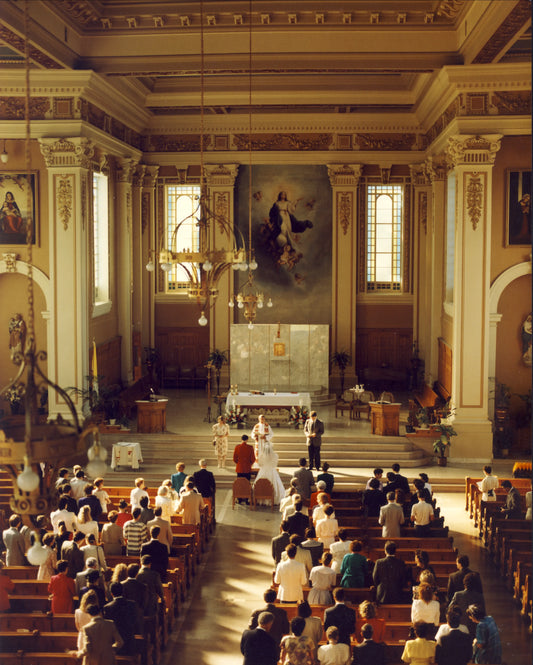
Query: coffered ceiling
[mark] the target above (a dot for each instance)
(307, 56)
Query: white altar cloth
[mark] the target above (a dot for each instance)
(269, 400)
(126, 453)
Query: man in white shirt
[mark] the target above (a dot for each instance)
(291, 577)
(421, 516)
(62, 514)
(137, 493)
(78, 485)
(378, 473)
(488, 484)
(391, 517)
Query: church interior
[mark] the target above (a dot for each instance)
(287, 199)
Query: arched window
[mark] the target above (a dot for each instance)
(182, 211)
(384, 237)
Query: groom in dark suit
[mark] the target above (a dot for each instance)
(313, 430)
(257, 646)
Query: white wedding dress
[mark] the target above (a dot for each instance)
(267, 461)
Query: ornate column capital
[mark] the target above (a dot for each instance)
(221, 175)
(76, 151)
(344, 174)
(125, 169)
(437, 167)
(419, 174)
(150, 176)
(10, 259)
(138, 175)
(473, 150)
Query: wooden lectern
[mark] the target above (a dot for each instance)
(151, 416)
(385, 418)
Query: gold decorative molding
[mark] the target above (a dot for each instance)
(84, 206)
(221, 175)
(345, 210)
(13, 108)
(449, 8)
(10, 259)
(75, 151)
(474, 199)
(512, 103)
(423, 210)
(419, 174)
(175, 143)
(145, 210)
(17, 43)
(470, 149)
(64, 192)
(386, 141)
(342, 175)
(279, 141)
(221, 205)
(150, 176)
(504, 33)
(138, 175)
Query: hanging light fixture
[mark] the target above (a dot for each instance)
(205, 265)
(4, 157)
(31, 451)
(248, 298)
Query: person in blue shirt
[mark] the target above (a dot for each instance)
(177, 479)
(487, 644)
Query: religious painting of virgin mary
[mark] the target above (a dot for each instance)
(17, 207)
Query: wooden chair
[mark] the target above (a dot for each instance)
(263, 491)
(363, 406)
(344, 403)
(242, 489)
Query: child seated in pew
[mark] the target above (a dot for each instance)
(369, 615)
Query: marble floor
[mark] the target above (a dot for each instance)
(236, 569)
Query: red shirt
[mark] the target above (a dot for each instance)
(244, 457)
(63, 591)
(122, 518)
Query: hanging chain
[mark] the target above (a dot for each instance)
(250, 133)
(29, 201)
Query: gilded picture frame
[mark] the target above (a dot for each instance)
(18, 204)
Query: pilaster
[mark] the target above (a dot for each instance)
(124, 173)
(137, 249)
(344, 179)
(220, 180)
(148, 231)
(68, 162)
(472, 158)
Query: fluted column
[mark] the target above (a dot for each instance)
(125, 169)
(137, 249)
(148, 229)
(472, 158)
(344, 179)
(68, 163)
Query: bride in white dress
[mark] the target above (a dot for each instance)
(267, 461)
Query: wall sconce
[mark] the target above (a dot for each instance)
(3, 155)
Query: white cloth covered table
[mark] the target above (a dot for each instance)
(269, 400)
(126, 453)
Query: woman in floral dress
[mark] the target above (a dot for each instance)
(221, 433)
(297, 649)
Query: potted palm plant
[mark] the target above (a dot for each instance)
(217, 358)
(442, 444)
(342, 359)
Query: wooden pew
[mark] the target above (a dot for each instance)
(22, 572)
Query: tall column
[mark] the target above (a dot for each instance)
(68, 163)
(125, 169)
(149, 252)
(221, 183)
(437, 170)
(137, 249)
(344, 179)
(472, 158)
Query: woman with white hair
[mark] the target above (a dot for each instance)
(164, 501)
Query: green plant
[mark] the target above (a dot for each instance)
(102, 401)
(217, 358)
(342, 359)
(441, 445)
(422, 416)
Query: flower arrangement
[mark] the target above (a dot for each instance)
(235, 415)
(13, 394)
(298, 415)
(522, 470)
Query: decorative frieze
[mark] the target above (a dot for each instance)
(17, 43)
(13, 108)
(378, 141)
(75, 151)
(423, 210)
(281, 141)
(221, 175)
(501, 36)
(64, 193)
(512, 103)
(221, 205)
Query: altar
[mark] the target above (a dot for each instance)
(276, 406)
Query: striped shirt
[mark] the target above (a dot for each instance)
(136, 533)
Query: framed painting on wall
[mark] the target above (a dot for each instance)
(518, 208)
(18, 205)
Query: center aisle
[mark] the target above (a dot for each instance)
(229, 585)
